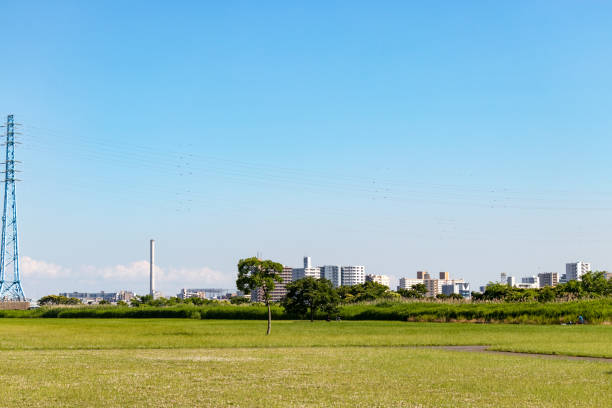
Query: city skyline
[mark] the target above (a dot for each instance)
(386, 137)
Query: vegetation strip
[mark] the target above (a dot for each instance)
(486, 349)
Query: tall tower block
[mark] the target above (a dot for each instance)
(10, 281)
(152, 268)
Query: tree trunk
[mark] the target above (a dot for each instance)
(269, 319)
(312, 310)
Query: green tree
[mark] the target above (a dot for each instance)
(363, 292)
(310, 295)
(417, 291)
(239, 300)
(255, 274)
(58, 300)
(546, 294)
(594, 283)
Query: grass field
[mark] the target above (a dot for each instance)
(186, 362)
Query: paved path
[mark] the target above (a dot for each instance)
(485, 349)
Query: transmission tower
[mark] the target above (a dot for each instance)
(10, 282)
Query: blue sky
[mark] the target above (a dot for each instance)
(470, 137)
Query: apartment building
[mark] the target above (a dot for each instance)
(308, 271)
(462, 288)
(408, 283)
(548, 279)
(381, 279)
(353, 275)
(280, 288)
(332, 273)
(434, 286)
(575, 270)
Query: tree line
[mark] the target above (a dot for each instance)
(307, 296)
(591, 285)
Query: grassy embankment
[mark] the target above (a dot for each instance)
(594, 311)
(187, 362)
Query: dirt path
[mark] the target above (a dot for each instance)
(485, 349)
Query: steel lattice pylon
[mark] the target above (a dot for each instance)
(10, 282)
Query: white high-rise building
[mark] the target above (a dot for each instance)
(529, 282)
(332, 273)
(353, 275)
(306, 271)
(407, 283)
(511, 281)
(381, 279)
(575, 270)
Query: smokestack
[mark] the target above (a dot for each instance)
(151, 270)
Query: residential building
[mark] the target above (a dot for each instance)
(503, 278)
(531, 280)
(408, 283)
(423, 275)
(462, 289)
(332, 273)
(548, 279)
(575, 270)
(381, 279)
(307, 271)
(353, 275)
(434, 286)
(280, 288)
(608, 275)
(511, 281)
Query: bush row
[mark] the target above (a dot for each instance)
(593, 311)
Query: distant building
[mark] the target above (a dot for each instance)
(307, 271)
(548, 279)
(124, 296)
(529, 282)
(381, 279)
(204, 293)
(575, 270)
(608, 275)
(503, 278)
(462, 289)
(408, 283)
(92, 297)
(423, 275)
(332, 273)
(434, 286)
(353, 275)
(191, 293)
(511, 281)
(280, 288)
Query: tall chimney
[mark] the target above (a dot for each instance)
(151, 270)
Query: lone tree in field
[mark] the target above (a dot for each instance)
(255, 274)
(310, 295)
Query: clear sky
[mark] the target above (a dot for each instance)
(470, 137)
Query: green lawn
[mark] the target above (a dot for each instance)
(181, 362)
